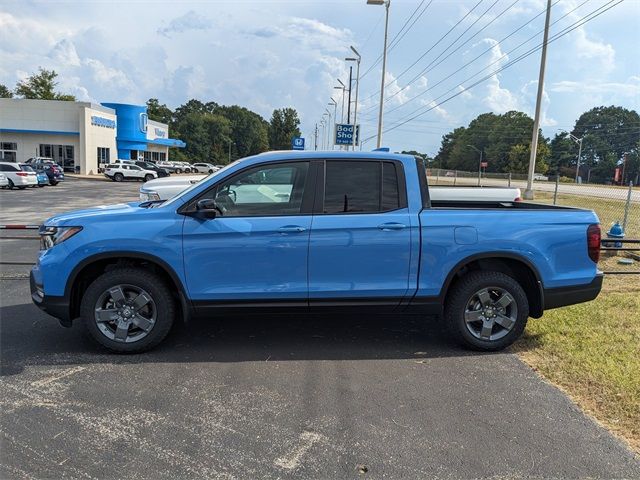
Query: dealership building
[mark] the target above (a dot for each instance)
(81, 136)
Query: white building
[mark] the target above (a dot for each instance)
(80, 136)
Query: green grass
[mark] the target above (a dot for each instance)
(608, 210)
(592, 351)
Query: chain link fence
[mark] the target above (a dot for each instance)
(611, 203)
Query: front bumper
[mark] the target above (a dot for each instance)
(563, 296)
(57, 307)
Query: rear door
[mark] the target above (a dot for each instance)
(255, 251)
(360, 245)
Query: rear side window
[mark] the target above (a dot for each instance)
(8, 168)
(360, 187)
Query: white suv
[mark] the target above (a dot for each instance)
(204, 168)
(122, 171)
(17, 177)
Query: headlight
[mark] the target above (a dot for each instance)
(52, 236)
(147, 195)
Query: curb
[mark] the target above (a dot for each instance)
(95, 178)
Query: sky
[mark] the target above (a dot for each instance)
(265, 55)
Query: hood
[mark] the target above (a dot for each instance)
(185, 180)
(79, 217)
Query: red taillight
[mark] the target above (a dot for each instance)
(21, 174)
(593, 242)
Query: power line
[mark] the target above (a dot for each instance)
(587, 18)
(433, 46)
(431, 65)
(400, 35)
(492, 63)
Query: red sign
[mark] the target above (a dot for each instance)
(484, 164)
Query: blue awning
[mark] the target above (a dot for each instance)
(169, 142)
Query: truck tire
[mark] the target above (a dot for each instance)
(486, 310)
(118, 177)
(128, 310)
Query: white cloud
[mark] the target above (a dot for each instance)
(498, 98)
(65, 53)
(189, 21)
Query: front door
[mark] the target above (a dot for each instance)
(257, 246)
(360, 246)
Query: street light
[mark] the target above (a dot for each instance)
(479, 163)
(355, 109)
(386, 3)
(328, 129)
(323, 122)
(335, 107)
(341, 87)
(230, 143)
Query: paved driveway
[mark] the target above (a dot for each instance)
(281, 397)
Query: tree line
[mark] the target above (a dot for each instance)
(213, 133)
(610, 136)
(216, 133)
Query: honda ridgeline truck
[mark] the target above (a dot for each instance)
(314, 231)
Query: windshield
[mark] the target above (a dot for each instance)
(26, 168)
(197, 184)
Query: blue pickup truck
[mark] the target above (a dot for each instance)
(321, 231)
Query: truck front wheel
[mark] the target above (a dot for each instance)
(128, 310)
(486, 310)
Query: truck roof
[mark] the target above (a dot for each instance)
(342, 154)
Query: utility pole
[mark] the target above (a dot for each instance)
(315, 138)
(349, 100)
(479, 163)
(355, 106)
(386, 4)
(528, 193)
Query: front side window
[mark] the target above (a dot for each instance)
(360, 187)
(263, 191)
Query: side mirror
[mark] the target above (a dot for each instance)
(207, 208)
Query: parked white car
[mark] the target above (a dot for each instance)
(123, 171)
(16, 177)
(540, 177)
(3, 180)
(204, 168)
(166, 188)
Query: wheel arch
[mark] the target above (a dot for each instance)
(516, 266)
(88, 269)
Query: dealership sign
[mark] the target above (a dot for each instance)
(160, 133)
(344, 134)
(103, 122)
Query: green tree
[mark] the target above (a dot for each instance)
(607, 132)
(5, 92)
(41, 86)
(563, 155)
(283, 126)
(250, 132)
(219, 132)
(159, 112)
(495, 135)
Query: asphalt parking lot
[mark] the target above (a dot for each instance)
(277, 397)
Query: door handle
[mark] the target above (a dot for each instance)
(387, 227)
(291, 229)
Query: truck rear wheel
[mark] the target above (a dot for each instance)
(486, 310)
(128, 310)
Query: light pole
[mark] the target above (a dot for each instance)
(579, 142)
(230, 143)
(341, 87)
(355, 108)
(335, 107)
(479, 163)
(528, 193)
(329, 128)
(386, 3)
(323, 124)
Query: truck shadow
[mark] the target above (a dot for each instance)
(30, 337)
